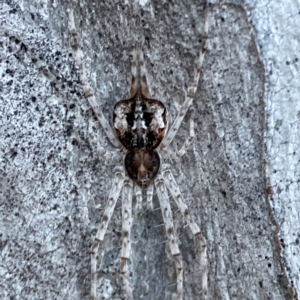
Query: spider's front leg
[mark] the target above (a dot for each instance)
(126, 230)
(109, 209)
(175, 192)
(169, 225)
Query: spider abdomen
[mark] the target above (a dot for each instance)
(140, 123)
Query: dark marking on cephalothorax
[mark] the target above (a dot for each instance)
(140, 124)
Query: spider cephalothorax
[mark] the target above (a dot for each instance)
(140, 124)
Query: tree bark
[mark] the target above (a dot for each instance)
(240, 178)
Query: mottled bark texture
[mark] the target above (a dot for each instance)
(54, 183)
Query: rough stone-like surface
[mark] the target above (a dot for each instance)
(275, 23)
(54, 185)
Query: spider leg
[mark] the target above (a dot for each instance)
(144, 84)
(169, 225)
(168, 152)
(110, 206)
(134, 74)
(139, 198)
(138, 81)
(191, 90)
(126, 230)
(190, 138)
(175, 192)
(85, 84)
(150, 197)
(109, 156)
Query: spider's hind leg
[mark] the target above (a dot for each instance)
(168, 153)
(134, 73)
(144, 84)
(192, 88)
(138, 73)
(85, 83)
(191, 136)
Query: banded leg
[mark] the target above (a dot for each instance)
(126, 230)
(139, 198)
(109, 156)
(138, 79)
(144, 84)
(191, 90)
(175, 192)
(109, 209)
(150, 197)
(134, 73)
(85, 84)
(169, 225)
(169, 154)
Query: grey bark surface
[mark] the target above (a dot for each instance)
(54, 185)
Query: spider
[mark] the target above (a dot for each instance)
(140, 129)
